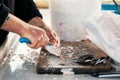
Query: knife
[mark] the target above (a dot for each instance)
(49, 47)
(115, 74)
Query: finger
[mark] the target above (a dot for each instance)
(36, 42)
(53, 38)
(43, 41)
(57, 39)
(32, 45)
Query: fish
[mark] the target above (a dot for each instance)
(53, 49)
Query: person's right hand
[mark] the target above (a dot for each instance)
(36, 35)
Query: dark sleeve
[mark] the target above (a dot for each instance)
(4, 11)
(26, 10)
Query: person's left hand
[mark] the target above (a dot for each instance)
(53, 38)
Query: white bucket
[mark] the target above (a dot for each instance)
(67, 16)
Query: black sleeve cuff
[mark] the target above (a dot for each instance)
(4, 11)
(26, 10)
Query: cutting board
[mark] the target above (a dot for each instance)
(50, 64)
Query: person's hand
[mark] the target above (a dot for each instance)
(53, 38)
(36, 35)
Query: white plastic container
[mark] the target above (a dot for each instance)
(67, 16)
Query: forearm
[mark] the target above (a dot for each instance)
(15, 25)
(37, 21)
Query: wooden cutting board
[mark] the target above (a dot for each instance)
(50, 64)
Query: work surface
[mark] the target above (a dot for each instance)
(21, 65)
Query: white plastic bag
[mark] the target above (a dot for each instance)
(104, 31)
